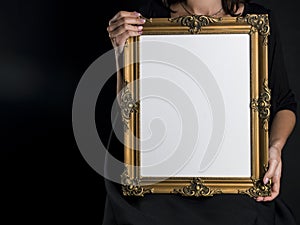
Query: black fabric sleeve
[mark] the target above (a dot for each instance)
(282, 97)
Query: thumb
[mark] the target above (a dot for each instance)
(273, 163)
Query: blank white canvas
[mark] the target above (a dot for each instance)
(170, 96)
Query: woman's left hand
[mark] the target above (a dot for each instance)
(273, 173)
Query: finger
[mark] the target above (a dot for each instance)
(275, 189)
(120, 41)
(272, 197)
(124, 21)
(273, 164)
(259, 199)
(127, 30)
(123, 14)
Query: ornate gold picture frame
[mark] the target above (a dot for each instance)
(229, 58)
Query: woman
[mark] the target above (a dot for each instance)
(226, 209)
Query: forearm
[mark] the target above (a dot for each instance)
(282, 126)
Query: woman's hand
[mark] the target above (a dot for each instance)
(282, 126)
(273, 173)
(122, 26)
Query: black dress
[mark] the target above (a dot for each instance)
(219, 209)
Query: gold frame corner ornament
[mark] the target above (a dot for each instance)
(259, 22)
(259, 189)
(132, 187)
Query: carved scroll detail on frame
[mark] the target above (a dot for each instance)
(259, 23)
(196, 189)
(259, 189)
(195, 22)
(263, 105)
(131, 187)
(127, 105)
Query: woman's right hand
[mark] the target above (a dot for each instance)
(122, 26)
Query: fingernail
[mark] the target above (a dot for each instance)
(266, 180)
(140, 32)
(137, 14)
(140, 28)
(142, 20)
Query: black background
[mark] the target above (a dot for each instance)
(45, 47)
